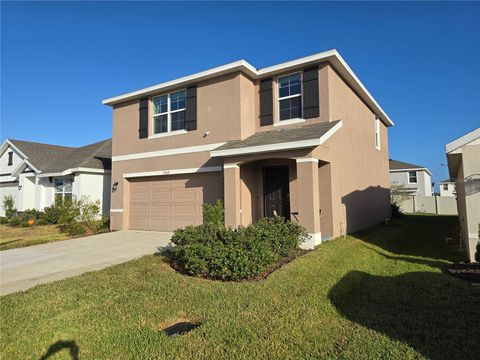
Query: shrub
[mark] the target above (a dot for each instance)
(9, 206)
(51, 214)
(213, 214)
(25, 224)
(31, 214)
(79, 216)
(41, 222)
(15, 221)
(3, 220)
(396, 212)
(222, 253)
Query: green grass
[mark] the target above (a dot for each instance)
(381, 294)
(15, 237)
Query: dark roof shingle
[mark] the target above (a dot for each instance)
(53, 158)
(400, 165)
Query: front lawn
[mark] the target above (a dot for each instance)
(379, 295)
(15, 237)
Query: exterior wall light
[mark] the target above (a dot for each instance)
(114, 186)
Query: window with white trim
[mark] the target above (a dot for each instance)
(445, 187)
(290, 97)
(63, 188)
(377, 132)
(412, 177)
(169, 112)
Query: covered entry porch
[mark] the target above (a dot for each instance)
(294, 185)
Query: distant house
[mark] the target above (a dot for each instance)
(447, 188)
(36, 174)
(415, 179)
(463, 156)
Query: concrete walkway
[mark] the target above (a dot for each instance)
(23, 268)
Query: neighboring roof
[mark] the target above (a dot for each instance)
(47, 158)
(396, 165)
(277, 140)
(462, 141)
(446, 181)
(332, 56)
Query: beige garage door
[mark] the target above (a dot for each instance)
(166, 203)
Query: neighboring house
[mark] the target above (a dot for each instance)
(415, 179)
(447, 188)
(463, 156)
(303, 139)
(35, 174)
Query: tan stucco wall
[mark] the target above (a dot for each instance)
(360, 192)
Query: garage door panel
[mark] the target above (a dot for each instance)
(161, 195)
(166, 203)
(160, 209)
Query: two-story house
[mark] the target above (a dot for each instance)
(447, 188)
(303, 139)
(414, 179)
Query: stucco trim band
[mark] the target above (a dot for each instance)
(173, 172)
(175, 151)
(116, 210)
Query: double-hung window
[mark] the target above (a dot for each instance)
(412, 177)
(63, 188)
(169, 112)
(290, 97)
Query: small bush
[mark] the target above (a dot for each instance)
(477, 253)
(9, 206)
(3, 220)
(31, 214)
(25, 224)
(213, 214)
(73, 228)
(15, 222)
(396, 212)
(222, 253)
(41, 222)
(51, 214)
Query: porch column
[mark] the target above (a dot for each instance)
(309, 200)
(231, 183)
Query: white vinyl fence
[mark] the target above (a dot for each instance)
(441, 205)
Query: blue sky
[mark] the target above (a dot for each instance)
(59, 60)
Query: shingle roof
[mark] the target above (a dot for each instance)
(400, 165)
(53, 158)
(309, 132)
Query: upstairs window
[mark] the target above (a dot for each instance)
(290, 97)
(169, 112)
(412, 177)
(63, 188)
(10, 158)
(377, 132)
(445, 187)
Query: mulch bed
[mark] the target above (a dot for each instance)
(469, 272)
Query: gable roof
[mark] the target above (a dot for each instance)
(396, 165)
(277, 140)
(332, 56)
(47, 158)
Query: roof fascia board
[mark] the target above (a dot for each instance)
(74, 170)
(411, 169)
(462, 141)
(6, 144)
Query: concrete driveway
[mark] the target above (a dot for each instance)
(23, 268)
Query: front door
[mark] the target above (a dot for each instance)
(277, 193)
